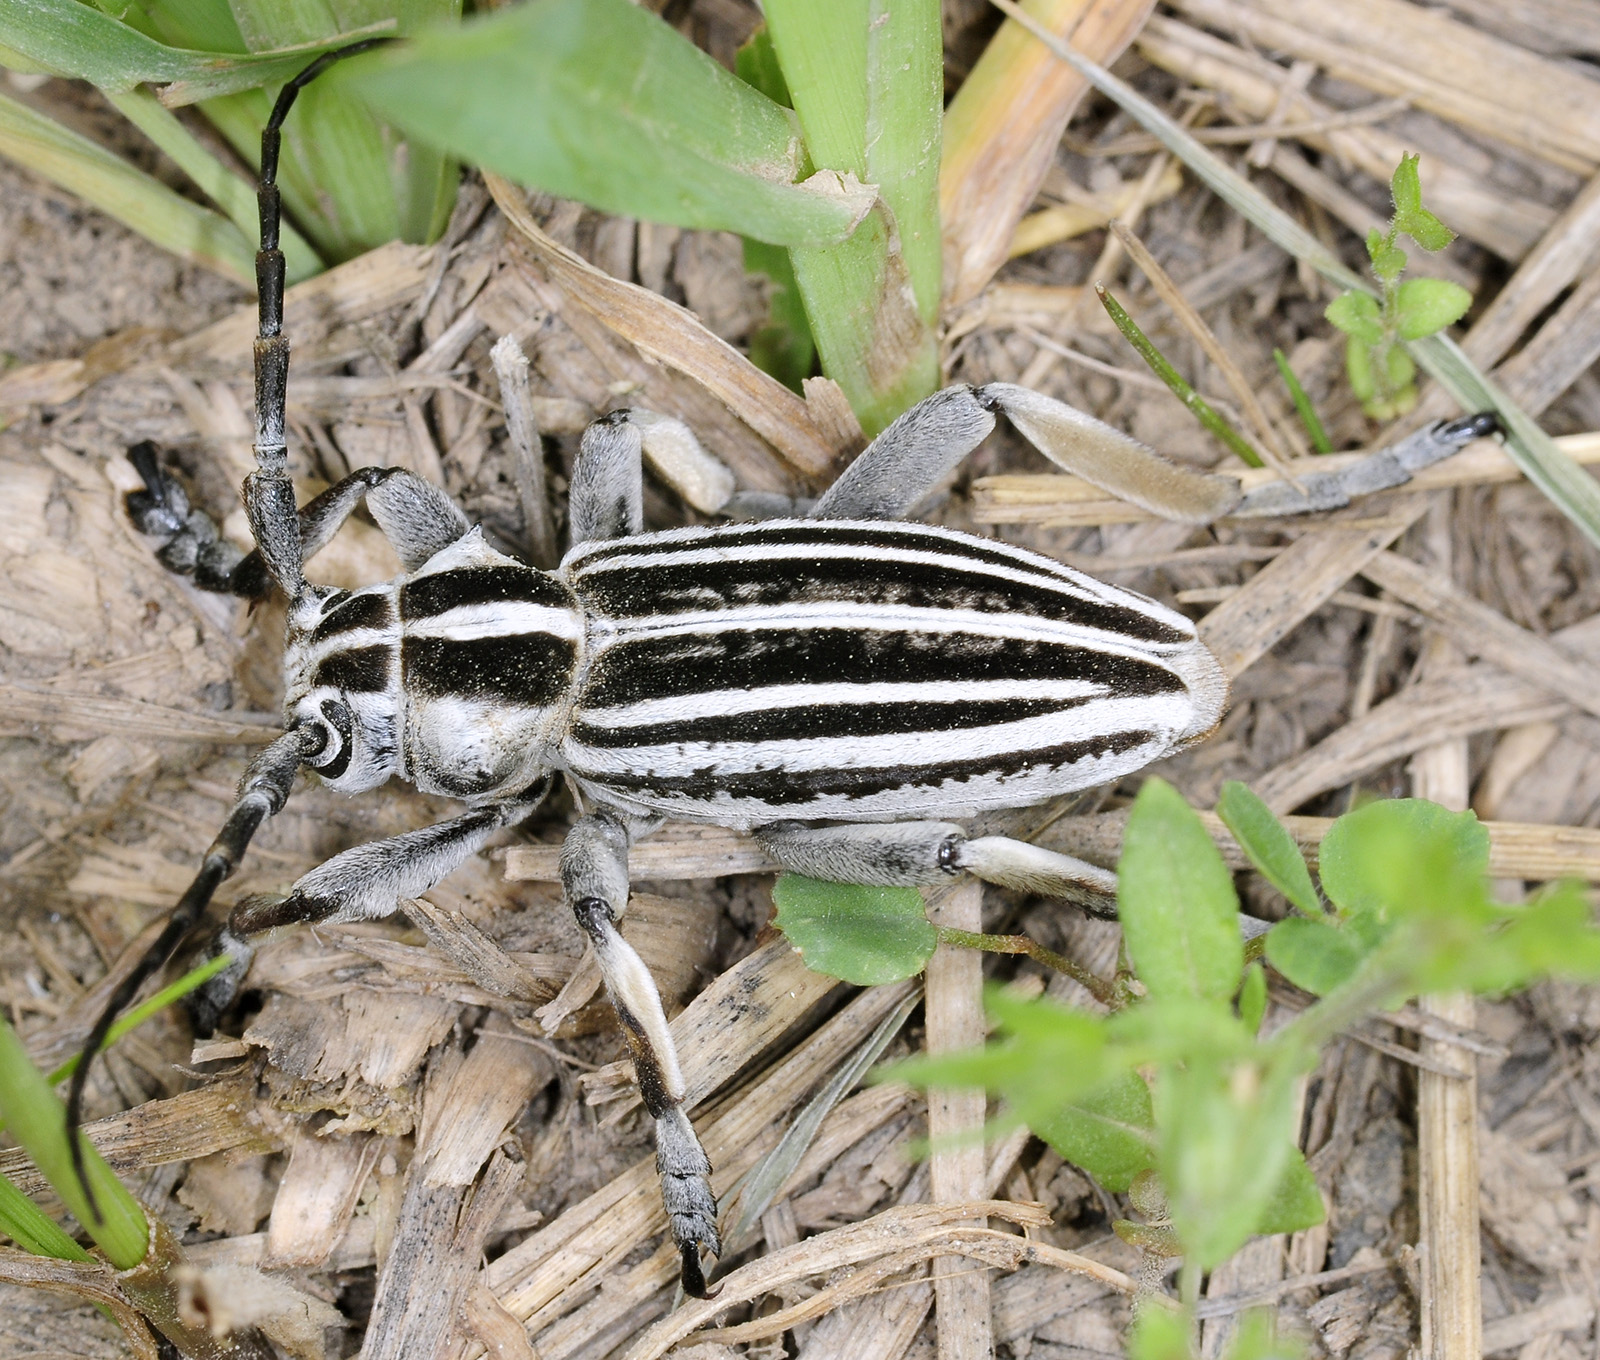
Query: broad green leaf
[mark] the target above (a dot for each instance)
(1358, 369)
(1180, 915)
(74, 39)
(1425, 229)
(601, 101)
(1226, 1138)
(1314, 955)
(1296, 1203)
(1429, 305)
(1268, 844)
(1110, 1133)
(1356, 314)
(1405, 187)
(135, 199)
(1403, 856)
(857, 934)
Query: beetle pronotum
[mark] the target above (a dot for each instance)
(839, 682)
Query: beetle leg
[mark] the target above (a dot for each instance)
(360, 884)
(913, 854)
(416, 517)
(909, 458)
(594, 877)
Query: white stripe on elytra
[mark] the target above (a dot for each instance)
(497, 618)
(893, 618)
(700, 544)
(711, 554)
(730, 702)
(1161, 715)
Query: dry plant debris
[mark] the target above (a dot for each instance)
(422, 1142)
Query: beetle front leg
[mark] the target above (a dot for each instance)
(916, 854)
(594, 877)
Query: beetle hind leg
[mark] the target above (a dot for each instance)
(917, 854)
(594, 877)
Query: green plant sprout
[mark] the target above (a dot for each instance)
(1382, 372)
(1176, 1091)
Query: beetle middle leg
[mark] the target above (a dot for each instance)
(594, 879)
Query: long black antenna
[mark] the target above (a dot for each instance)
(268, 493)
(275, 521)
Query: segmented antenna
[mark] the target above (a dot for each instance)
(275, 522)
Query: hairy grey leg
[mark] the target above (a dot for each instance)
(908, 459)
(912, 854)
(360, 884)
(607, 496)
(594, 877)
(1378, 471)
(415, 516)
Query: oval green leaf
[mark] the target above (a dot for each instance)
(1356, 314)
(1268, 844)
(857, 934)
(1110, 1134)
(1313, 955)
(1429, 305)
(1180, 914)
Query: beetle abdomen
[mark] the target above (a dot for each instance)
(867, 671)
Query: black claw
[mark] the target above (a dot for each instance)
(694, 1279)
(1479, 426)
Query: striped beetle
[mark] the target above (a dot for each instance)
(836, 681)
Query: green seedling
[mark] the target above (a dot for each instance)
(1382, 372)
(1176, 1090)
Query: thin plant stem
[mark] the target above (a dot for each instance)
(1104, 992)
(1302, 404)
(1199, 407)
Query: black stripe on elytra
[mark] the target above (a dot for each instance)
(779, 787)
(868, 539)
(845, 721)
(356, 670)
(353, 612)
(641, 669)
(532, 670)
(427, 596)
(662, 588)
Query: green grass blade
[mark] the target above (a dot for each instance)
(234, 195)
(26, 1224)
(905, 115)
(37, 1119)
(1574, 492)
(866, 80)
(822, 48)
(135, 199)
(74, 39)
(1302, 404)
(157, 1002)
(1199, 407)
(600, 101)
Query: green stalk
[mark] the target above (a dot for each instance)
(1199, 407)
(864, 76)
(159, 1001)
(234, 195)
(37, 1119)
(135, 199)
(1302, 404)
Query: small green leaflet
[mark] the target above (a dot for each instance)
(1268, 844)
(857, 934)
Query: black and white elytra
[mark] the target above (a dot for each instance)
(838, 682)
